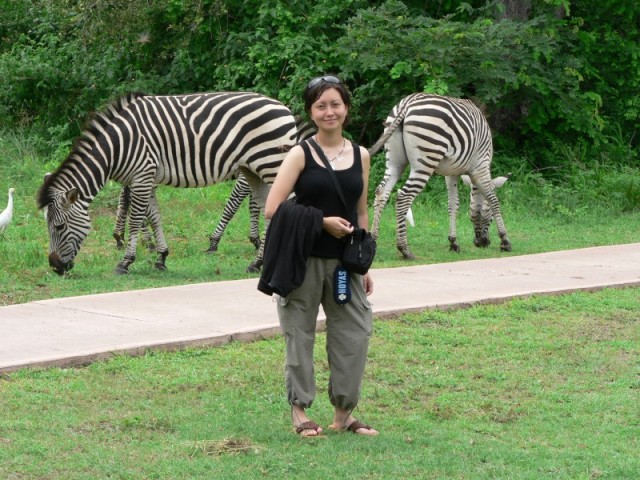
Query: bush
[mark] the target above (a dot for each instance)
(547, 82)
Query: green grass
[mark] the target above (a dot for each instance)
(543, 387)
(534, 388)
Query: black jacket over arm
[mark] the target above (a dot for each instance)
(287, 245)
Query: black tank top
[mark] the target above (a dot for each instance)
(316, 188)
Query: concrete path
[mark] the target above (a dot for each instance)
(78, 330)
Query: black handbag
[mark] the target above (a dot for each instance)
(360, 247)
(359, 251)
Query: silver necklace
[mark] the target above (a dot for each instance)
(338, 157)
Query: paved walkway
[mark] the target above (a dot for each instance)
(78, 330)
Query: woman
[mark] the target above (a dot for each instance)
(348, 326)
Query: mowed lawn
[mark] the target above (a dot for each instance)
(544, 387)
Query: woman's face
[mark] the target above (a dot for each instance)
(329, 112)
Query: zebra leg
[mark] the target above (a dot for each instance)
(259, 192)
(485, 189)
(153, 217)
(421, 171)
(480, 228)
(383, 192)
(256, 265)
(254, 228)
(148, 235)
(505, 244)
(121, 221)
(453, 206)
(121, 217)
(139, 199)
(396, 162)
(240, 191)
(403, 203)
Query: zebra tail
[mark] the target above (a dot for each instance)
(409, 217)
(390, 129)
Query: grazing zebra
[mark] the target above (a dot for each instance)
(438, 135)
(241, 190)
(181, 140)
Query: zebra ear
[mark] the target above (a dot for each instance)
(71, 197)
(466, 180)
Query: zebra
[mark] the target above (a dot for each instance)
(441, 135)
(183, 141)
(241, 190)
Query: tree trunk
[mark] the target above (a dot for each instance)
(517, 9)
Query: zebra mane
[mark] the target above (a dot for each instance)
(45, 194)
(109, 112)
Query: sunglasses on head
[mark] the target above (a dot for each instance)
(327, 79)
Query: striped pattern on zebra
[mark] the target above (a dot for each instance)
(445, 136)
(182, 141)
(121, 220)
(241, 190)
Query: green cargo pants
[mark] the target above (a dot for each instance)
(348, 327)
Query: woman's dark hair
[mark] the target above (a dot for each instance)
(318, 85)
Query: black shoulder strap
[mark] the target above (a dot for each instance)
(325, 160)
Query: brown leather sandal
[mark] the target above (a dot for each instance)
(310, 425)
(357, 425)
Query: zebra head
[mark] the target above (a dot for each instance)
(480, 210)
(68, 224)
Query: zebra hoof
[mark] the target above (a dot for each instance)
(455, 248)
(256, 242)
(505, 246)
(121, 270)
(160, 266)
(406, 254)
(213, 247)
(254, 267)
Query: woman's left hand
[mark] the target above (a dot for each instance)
(368, 283)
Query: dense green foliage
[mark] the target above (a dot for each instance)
(559, 84)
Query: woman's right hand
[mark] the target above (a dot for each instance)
(337, 226)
